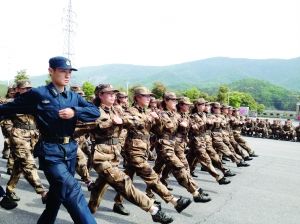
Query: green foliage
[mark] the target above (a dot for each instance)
(194, 93)
(222, 95)
(3, 90)
(88, 88)
(158, 89)
(21, 75)
(272, 96)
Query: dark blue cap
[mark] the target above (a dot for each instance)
(60, 62)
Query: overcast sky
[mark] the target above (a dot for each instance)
(145, 32)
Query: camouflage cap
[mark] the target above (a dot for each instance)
(153, 99)
(216, 105)
(121, 95)
(224, 106)
(169, 96)
(24, 84)
(81, 93)
(141, 90)
(75, 88)
(103, 88)
(184, 100)
(200, 101)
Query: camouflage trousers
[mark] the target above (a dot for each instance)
(214, 156)
(110, 174)
(180, 147)
(139, 165)
(81, 166)
(198, 152)
(23, 142)
(239, 150)
(221, 147)
(238, 138)
(166, 157)
(6, 129)
(226, 140)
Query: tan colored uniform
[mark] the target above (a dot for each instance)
(139, 123)
(198, 144)
(24, 136)
(169, 124)
(106, 157)
(217, 138)
(236, 125)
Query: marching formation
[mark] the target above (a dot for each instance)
(150, 138)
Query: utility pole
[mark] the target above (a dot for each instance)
(68, 27)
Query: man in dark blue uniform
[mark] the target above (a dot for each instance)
(56, 111)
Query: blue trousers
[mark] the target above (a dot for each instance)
(64, 189)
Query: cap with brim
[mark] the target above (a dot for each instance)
(184, 100)
(200, 101)
(142, 91)
(225, 107)
(216, 105)
(61, 62)
(121, 94)
(24, 84)
(104, 88)
(170, 96)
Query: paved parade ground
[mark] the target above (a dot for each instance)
(266, 192)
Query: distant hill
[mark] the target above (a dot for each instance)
(202, 73)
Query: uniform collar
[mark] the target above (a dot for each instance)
(140, 109)
(55, 92)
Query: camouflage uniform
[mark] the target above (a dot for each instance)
(24, 136)
(297, 130)
(275, 129)
(139, 123)
(236, 125)
(106, 156)
(169, 124)
(217, 136)
(288, 131)
(198, 144)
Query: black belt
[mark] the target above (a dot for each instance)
(139, 136)
(168, 137)
(217, 130)
(58, 140)
(108, 141)
(25, 126)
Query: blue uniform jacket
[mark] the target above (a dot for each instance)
(44, 103)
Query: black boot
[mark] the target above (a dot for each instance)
(193, 174)
(223, 181)
(253, 155)
(162, 217)
(201, 198)
(242, 164)
(200, 190)
(12, 196)
(182, 203)
(119, 208)
(247, 158)
(228, 173)
(8, 203)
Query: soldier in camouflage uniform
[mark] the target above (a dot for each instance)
(297, 130)
(106, 157)
(217, 136)
(83, 151)
(6, 126)
(198, 149)
(275, 129)
(288, 131)
(236, 125)
(139, 121)
(24, 136)
(170, 123)
(231, 122)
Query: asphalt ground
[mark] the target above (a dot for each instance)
(266, 192)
